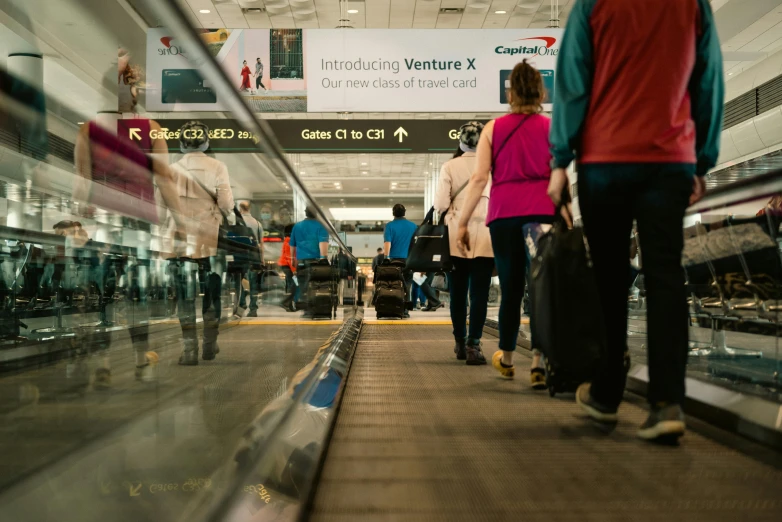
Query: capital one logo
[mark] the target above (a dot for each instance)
(168, 48)
(544, 49)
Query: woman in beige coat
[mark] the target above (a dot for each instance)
(472, 271)
(204, 196)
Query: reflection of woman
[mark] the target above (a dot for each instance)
(245, 78)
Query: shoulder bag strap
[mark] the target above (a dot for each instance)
(505, 142)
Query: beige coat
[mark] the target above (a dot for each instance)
(453, 175)
(201, 215)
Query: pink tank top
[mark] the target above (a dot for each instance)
(521, 170)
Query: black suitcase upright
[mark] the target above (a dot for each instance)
(390, 291)
(320, 290)
(566, 309)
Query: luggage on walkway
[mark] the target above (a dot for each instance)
(390, 290)
(321, 290)
(566, 309)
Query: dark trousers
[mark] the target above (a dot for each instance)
(303, 276)
(513, 240)
(241, 293)
(429, 292)
(471, 276)
(259, 83)
(184, 273)
(656, 196)
(290, 286)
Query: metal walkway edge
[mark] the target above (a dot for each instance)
(422, 437)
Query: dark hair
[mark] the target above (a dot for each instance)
(379, 249)
(458, 152)
(65, 223)
(258, 58)
(309, 213)
(287, 230)
(399, 210)
(526, 87)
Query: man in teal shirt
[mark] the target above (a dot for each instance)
(638, 103)
(398, 235)
(309, 243)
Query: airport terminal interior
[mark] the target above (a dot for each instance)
(171, 349)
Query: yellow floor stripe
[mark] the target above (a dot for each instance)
(407, 322)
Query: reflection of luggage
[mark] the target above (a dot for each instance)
(390, 290)
(566, 309)
(320, 289)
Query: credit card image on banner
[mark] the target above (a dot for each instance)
(548, 84)
(185, 86)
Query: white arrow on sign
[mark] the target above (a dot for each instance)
(134, 133)
(401, 133)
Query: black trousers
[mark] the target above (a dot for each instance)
(259, 83)
(428, 291)
(473, 277)
(290, 287)
(611, 196)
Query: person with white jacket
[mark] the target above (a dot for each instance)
(204, 196)
(472, 270)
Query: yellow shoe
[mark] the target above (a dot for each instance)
(537, 377)
(496, 361)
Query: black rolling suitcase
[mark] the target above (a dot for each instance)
(320, 290)
(566, 309)
(390, 294)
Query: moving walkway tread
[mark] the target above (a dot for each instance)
(422, 437)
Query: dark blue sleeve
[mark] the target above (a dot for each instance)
(707, 91)
(572, 84)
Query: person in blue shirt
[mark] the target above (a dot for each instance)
(397, 236)
(309, 243)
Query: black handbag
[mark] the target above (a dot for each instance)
(238, 241)
(430, 250)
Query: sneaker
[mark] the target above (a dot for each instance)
(475, 355)
(460, 349)
(102, 379)
(253, 313)
(148, 372)
(507, 372)
(597, 411)
(189, 355)
(537, 377)
(210, 350)
(664, 424)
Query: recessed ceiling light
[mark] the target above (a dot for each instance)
(500, 12)
(302, 173)
(204, 11)
(363, 164)
(730, 74)
(352, 11)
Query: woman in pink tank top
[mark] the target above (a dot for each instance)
(514, 150)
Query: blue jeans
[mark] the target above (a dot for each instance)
(656, 196)
(418, 295)
(471, 276)
(514, 241)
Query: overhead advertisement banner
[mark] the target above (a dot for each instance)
(421, 70)
(267, 66)
(350, 70)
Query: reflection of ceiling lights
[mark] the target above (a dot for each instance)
(500, 12)
(352, 11)
(204, 11)
(361, 214)
(363, 164)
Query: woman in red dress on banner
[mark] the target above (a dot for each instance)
(245, 78)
